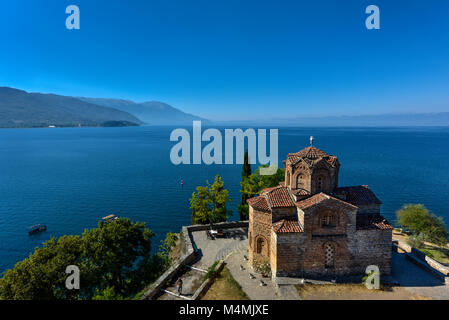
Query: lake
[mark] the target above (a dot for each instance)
(70, 178)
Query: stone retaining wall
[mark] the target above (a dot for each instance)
(206, 284)
(189, 250)
(419, 258)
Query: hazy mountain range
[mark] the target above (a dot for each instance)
(380, 120)
(151, 112)
(20, 109)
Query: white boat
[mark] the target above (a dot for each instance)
(109, 218)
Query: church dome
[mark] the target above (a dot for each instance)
(311, 153)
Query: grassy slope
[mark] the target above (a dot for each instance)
(225, 288)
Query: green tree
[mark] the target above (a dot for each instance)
(255, 183)
(107, 294)
(199, 203)
(422, 223)
(114, 255)
(166, 247)
(219, 198)
(119, 252)
(209, 203)
(246, 173)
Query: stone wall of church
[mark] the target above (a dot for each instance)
(287, 254)
(369, 209)
(283, 213)
(259, 236)
(304, 254)
(371, 247)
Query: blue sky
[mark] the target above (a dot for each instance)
(234, 59)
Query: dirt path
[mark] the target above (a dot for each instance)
(354, 292)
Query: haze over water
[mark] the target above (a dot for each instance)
(69, 178)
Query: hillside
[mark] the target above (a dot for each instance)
(151, 112)
(19, 109)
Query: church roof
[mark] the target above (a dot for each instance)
(279, 197)
(357, 195)
(274, 197)
(259, 203)
(310, 154)
(318, 198)
(286, 226)
(372, 222)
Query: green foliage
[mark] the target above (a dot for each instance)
(165, 249)
(416, 241)
(246, 169)
(246, 173)
(264, 268)
(107, 294)
(211, 272)
(42, 275)
(254, 184)
(422, 223)
(208, 203)
(115, 256)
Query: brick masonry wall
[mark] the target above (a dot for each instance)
(304, 254)
(371, 247)
(289, 249)
(371, 209)
(283, 213)
(259, 227)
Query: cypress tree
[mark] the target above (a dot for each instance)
(246, 172)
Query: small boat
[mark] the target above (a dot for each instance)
(37, 229)
(109, 218)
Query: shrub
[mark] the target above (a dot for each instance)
(423, 223)
(211, 272)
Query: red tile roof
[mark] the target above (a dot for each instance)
(279, 197)
(372, 222)
(300, 192)
(286, 226)
(264, 191)
(357, 195)
(310, 154)
(259, 203)
(317, 198)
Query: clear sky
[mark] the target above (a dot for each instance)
(234, 59)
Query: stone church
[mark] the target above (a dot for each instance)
(308, 226)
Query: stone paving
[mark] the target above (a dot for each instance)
(416, 280)
(191, 280)
(233, 249)
(219, 248)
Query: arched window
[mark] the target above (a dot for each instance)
(327, 221)
(329, 255)
(260, 245)
(300, 181)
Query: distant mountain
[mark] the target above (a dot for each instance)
(151, 112)
(382, 120)
(20, 109)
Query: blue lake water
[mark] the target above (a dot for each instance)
(69, 178)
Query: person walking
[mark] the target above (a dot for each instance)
(179, 283)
